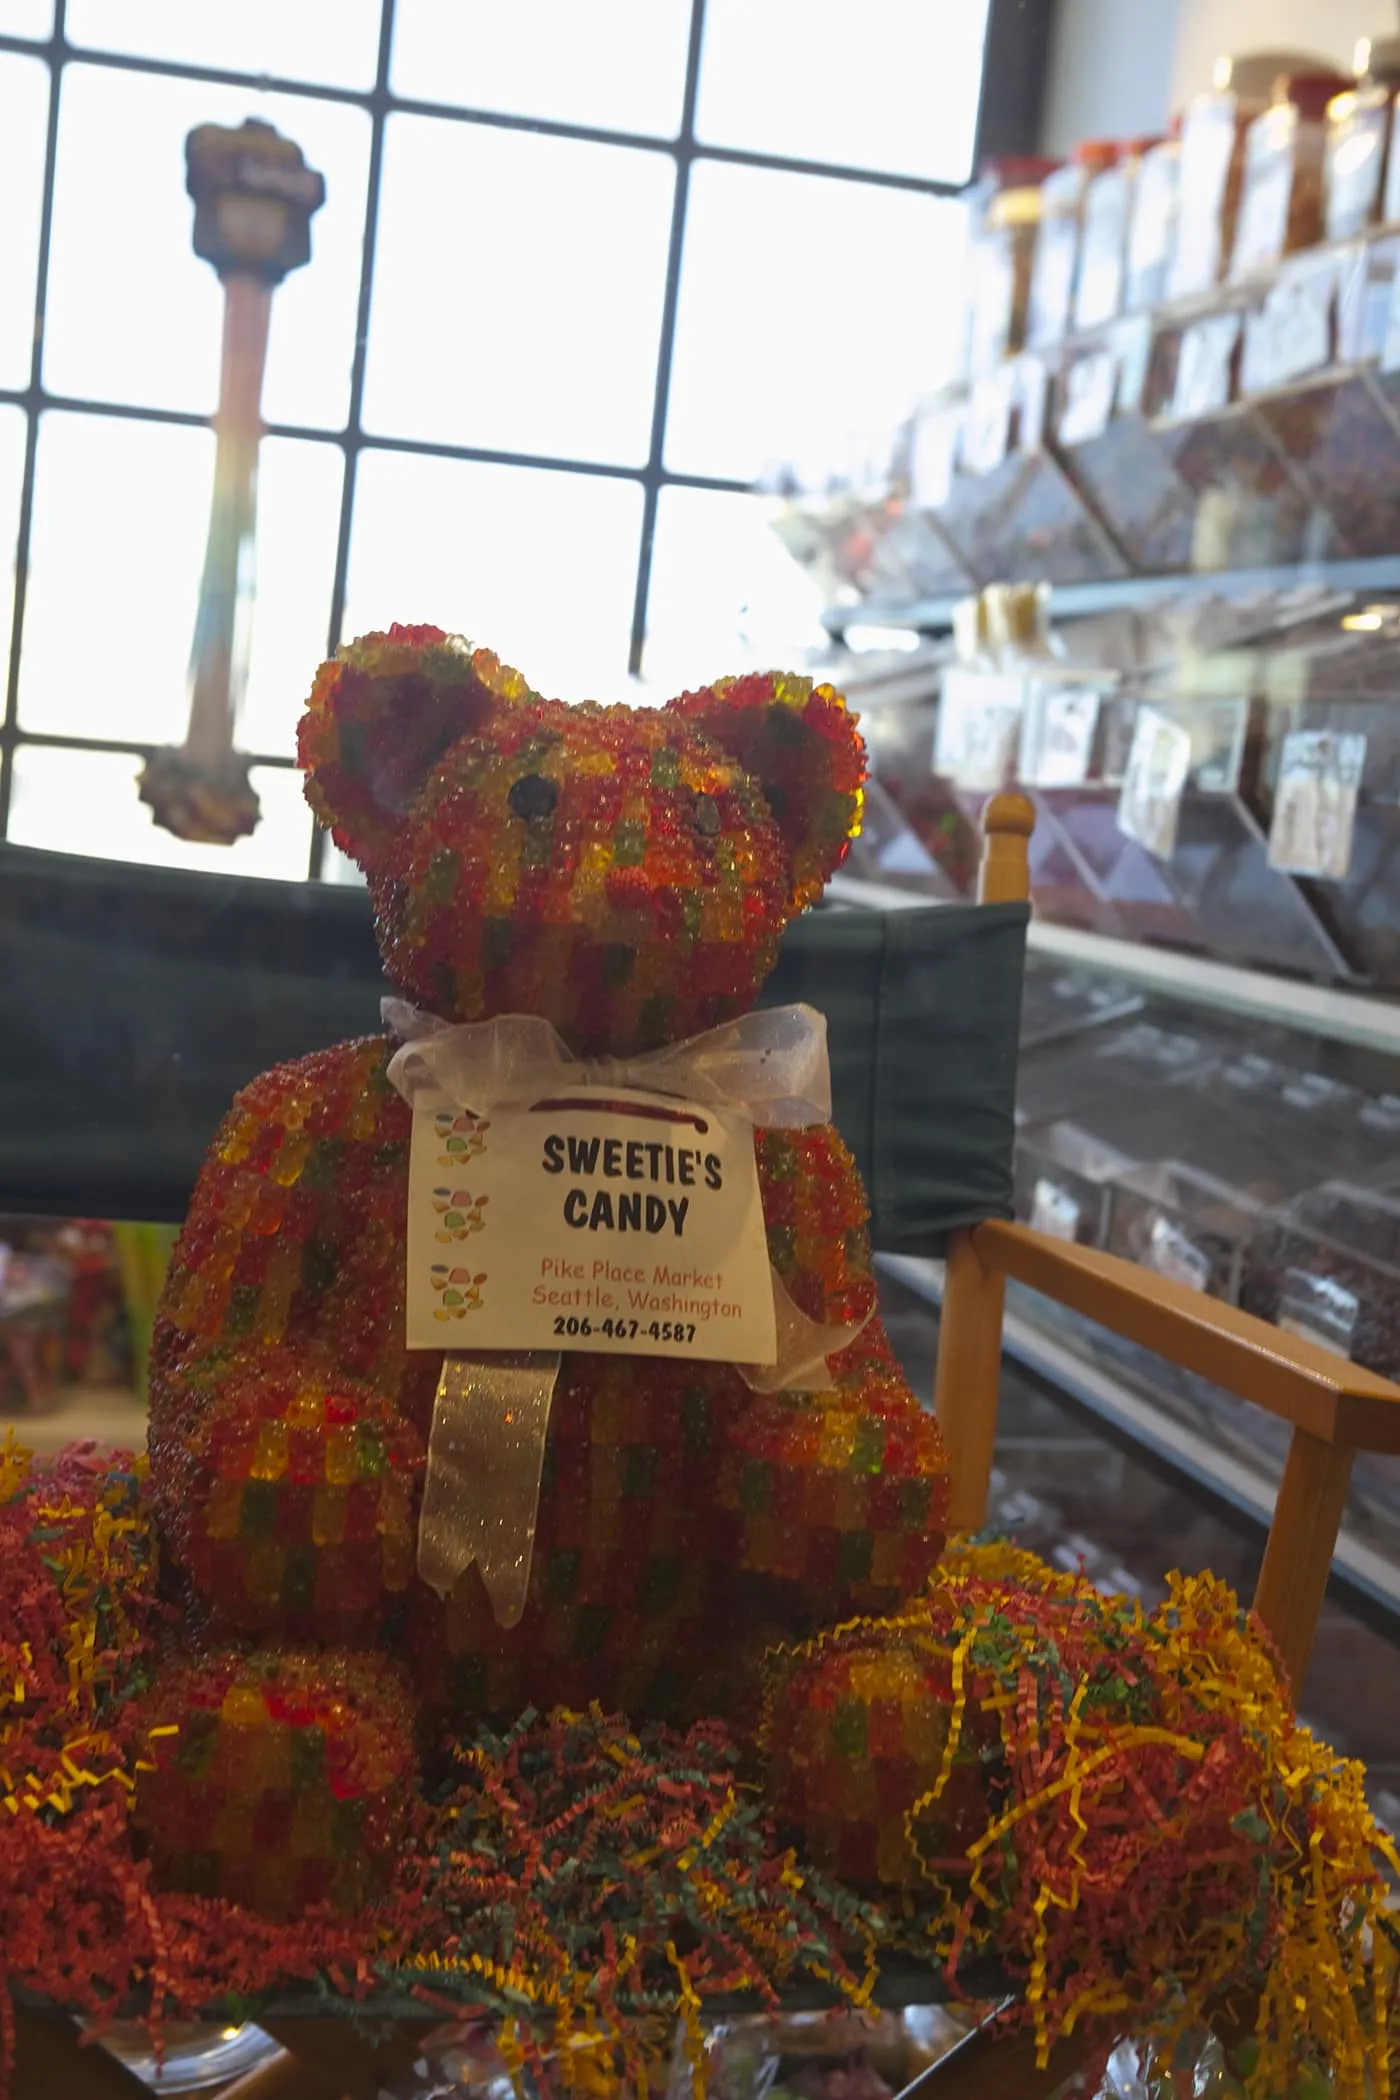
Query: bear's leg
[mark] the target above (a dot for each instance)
(278, 1779)
(619, 1607)
(287, 1498)
(834, 1504)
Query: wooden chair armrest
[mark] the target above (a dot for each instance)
(1333, 1400)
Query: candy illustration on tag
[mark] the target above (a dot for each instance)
(459, 1291)
(459, 1213)
(462, 1134)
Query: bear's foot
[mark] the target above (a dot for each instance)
(861, 1771)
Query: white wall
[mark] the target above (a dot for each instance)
(1111, 64)
(1328, 28)
(1120, 67)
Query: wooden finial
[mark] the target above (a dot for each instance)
(1007, 824)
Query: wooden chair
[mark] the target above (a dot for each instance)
(1336, 1410)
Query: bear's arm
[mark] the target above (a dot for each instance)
(817, 1217)
(295, 1231)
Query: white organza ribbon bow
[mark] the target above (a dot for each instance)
(770, 1066)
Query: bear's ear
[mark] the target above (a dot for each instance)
(801, 744)
(381, 714)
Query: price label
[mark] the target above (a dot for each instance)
(987, 431)
(1390, 351)
(1054, 1212)
(932, 459)
(1204, 366)
(1314, 820)
(1319, 1309)
(979, 728)
(1132, 350)
(1057, 742)
(1291, 335)
(1154, 780)
(1030, 397)
(627, 1222)
(1176, 1257)
(1090, 384)
(1219, 732)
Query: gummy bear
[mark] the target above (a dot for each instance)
(626, 874)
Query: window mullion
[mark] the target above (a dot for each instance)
(685, 153)
(354, 431)
(9, 730)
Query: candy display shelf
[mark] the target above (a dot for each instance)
(1370, 1022)
(933, 615)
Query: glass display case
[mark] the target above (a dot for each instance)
(1215, 772)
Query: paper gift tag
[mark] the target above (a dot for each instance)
(1314, 821)
(628, 1223)
(1153, 782)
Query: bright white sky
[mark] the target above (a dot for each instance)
(517, 307)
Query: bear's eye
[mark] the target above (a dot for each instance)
(707, 817)
(534, 796)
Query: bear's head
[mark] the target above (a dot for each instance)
(624, 872)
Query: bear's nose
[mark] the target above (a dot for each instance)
(533, 796)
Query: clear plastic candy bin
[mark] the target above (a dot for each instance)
(1062, 1174)
(1327, 1266)
(1184, 1224)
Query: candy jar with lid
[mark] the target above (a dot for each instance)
(1359, 122)
(1063, 193)
(1107, 219)
(1152, 220)
(1006, 210)
(1281, 199)
(1213, 133)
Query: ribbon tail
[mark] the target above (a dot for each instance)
(481, 1492)
(803, 1348)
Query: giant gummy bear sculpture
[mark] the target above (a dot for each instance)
(627, 875)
